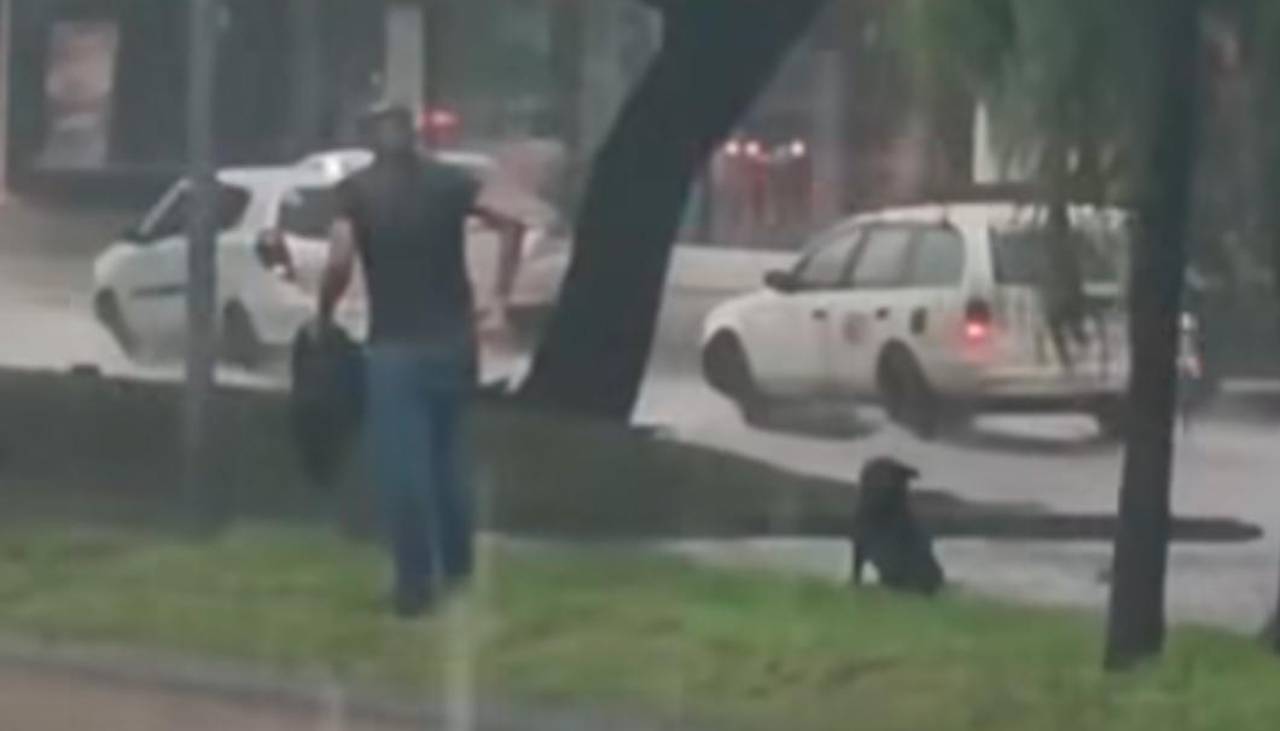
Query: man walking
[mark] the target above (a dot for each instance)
(405, 218)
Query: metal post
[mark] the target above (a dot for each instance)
(406, 53)
(6, 34)
(205, 20)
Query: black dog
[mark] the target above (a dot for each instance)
(887, 534)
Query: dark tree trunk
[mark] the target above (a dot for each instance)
(716, 57)
(568, 59)
(568, 69)
(1136, 628)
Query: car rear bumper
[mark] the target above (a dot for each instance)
(1030, 388)
(1044, 404)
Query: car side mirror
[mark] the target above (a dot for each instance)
(780, 281)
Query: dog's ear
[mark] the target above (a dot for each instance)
(888, 471)
(901, 472)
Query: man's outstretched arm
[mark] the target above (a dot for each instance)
(510, 232)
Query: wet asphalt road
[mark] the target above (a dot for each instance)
(1227, 464)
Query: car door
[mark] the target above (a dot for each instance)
(153, 283)
(158, 277)
(788, 348)
(868, 309)
(931, 307)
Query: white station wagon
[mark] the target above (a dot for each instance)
(936, 313)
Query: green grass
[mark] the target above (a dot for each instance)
(612, 629)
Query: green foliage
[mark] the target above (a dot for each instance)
(1055, 75)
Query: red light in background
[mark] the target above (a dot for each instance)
(439, 119)
(733, 148)
(439, 126)
(754, 149)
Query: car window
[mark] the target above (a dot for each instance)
(827, 264)
(308, 212)
(883, 259)
(172, 220)
(937, 258)
(1021, 256)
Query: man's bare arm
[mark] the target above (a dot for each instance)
(338, 270)
(510, 232)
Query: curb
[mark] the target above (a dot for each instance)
(250, 687)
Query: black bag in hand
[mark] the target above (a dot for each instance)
(327, 400)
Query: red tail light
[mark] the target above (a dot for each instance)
(273, 253)
(439, 125)
(978, 321)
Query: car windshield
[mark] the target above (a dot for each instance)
(308, 212)
(1021, 255)
(170, 217)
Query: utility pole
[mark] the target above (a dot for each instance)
(6, 51)
(205, 21)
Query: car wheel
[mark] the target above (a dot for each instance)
(240, 343)
(727, 370)
(908, 398)
(1110, 414)
(107, 309)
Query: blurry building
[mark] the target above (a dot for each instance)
(98, 87)
(843, 128)
(98, 97)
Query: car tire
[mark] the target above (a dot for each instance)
(727, 370)
(107, 308)
(240, 344)
(1111, 417)
(909, 399)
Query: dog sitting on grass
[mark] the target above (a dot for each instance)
(887, 535)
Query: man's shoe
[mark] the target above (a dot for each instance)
(412, 604)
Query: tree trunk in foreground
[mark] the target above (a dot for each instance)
(716, 57)
(1136, 628)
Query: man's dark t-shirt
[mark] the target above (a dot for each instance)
(410, 226)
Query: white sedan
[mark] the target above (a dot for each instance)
(271, 250)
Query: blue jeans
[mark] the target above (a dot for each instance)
(417, 420)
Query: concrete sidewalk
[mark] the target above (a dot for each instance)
(50, 701)
(54, 688)
(46, 253)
